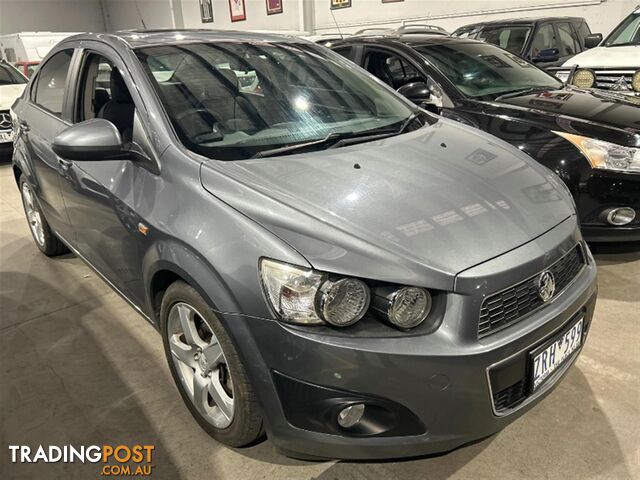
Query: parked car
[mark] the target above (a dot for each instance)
(25, 50)
(325, 39)
(12, 84)
(547, 42)
(590, 140)
(323, 260)
(614, 65)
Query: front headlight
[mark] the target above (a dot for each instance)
(405, 307)
(562, 76)
(605, 155)
(304, 296)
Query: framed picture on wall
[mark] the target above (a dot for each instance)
(274, 6)
(237, 10)
(206, 11)
(340, 4)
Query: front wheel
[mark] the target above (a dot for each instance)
(42, 234)
(207, 369)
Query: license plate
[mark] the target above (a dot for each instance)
(549, 357)
(6, 137)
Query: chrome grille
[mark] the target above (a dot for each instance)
(606, 78)
(513, 304)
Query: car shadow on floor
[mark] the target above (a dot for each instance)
(60, 385)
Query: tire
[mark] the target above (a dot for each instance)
(245, 424)
(42, 234)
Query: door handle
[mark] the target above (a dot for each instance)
(65, 164)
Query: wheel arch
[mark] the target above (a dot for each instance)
(169, 262)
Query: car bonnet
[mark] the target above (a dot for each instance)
(423, 205)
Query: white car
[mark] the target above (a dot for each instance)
(613, 65)
(12, 84)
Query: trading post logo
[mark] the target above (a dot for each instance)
(118, 460)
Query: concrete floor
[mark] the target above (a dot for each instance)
(79, 366)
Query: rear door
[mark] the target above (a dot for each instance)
(43, 116)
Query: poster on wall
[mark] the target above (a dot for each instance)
(206, 11)
(340, 4)
(274, 6)
(237, 10)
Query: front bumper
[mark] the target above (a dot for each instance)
(441, 379)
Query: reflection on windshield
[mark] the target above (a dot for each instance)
(627, 33)
(484, 71)
(232, 100)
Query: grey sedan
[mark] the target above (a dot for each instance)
(325, 262)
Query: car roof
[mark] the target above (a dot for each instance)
(145, 38)
(521, 21)
(412, 40)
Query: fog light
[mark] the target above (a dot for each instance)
(584, 79)
(621, 216)
(351, 415)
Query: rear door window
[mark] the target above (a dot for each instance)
(51, 82)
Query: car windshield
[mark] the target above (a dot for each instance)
(485, 72)
(627, 33)
(233, 100)
(512, 38)
(10, 76)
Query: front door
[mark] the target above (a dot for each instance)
(101, 195)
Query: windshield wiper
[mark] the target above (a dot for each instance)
(274, 152)
(340, 139)
(524, 91)
(379, 135)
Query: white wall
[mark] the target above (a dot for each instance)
(256, 12)
(602, 15)
(123, 14)
(50, 15)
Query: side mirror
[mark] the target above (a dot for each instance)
(592, 40)
(95, 139)
(547, 55)
(417, 92)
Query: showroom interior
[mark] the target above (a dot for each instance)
(320, 239)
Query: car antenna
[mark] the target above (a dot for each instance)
(139, 14)
(337, 26)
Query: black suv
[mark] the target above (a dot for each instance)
(590, 139)
(548, 42)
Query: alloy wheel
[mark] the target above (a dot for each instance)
(33, 215)
(201, 364)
